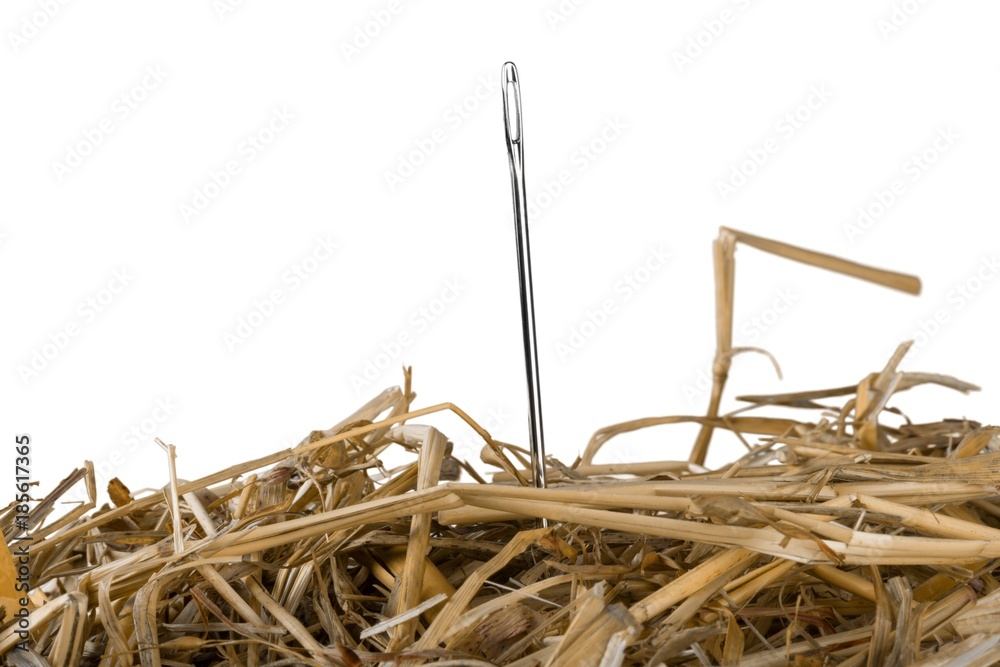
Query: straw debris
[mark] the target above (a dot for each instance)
(839, 538)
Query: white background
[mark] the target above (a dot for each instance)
(894, 75)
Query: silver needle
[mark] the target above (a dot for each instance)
(515, 152)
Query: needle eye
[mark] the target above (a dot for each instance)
(512, 103)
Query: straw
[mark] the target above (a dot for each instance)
(844, 536)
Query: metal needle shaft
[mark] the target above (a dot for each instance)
(515, 152)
